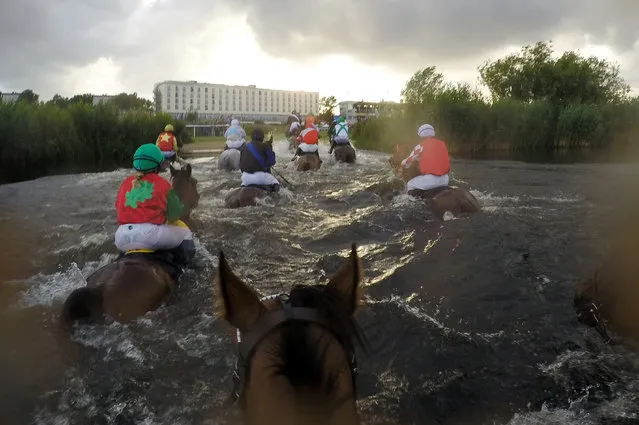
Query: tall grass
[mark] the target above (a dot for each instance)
(470, 126)
(41, 139)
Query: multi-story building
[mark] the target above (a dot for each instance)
(353, 111)
(9, 97)
(216, 102)
(101, 99)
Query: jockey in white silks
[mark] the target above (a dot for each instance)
(295, 127)
(235, 136)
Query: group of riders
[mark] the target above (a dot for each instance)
(148, 208)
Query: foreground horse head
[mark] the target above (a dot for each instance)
(133, 285)
(185, 185)
(308, 162)
(296, 356)
(345, 153)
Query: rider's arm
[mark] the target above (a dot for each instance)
(413, 156)
(175, 145)
(174, 207)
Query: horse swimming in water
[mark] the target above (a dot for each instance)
(296, 361)
(344, 153)
(229, 160)
(136, 283)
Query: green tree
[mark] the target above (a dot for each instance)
(533, 74)
(29, 96)
(127, 102)
(327, 106)
(424, 86)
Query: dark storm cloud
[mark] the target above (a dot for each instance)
(41, 39)
(410, 33)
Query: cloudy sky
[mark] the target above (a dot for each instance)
(353, 49)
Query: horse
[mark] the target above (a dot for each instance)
(229, 160)
(245, 196)
(344, 153)
(453, 199)
(400, 151)
(293, 143)
(296, 352)
(135, 283)
(611, 294)
(308, 161)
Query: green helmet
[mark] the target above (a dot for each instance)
(147, 158)
(341, 119)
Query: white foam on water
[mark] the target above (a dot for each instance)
(425, 317)
(553, 417)
(86, 241)
(46, 290)
(116, 338)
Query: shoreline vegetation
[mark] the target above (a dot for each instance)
(529, 103)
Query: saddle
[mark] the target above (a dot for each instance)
(269, 188)
(162, 258)
(430, 193)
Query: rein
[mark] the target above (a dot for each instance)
(272, 320)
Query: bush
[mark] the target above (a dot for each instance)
(41, 139)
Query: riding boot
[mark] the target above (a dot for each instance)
(330, 151)
(183, 254)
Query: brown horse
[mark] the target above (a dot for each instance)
(296, 361)
(344, 153)
(612, 293)
(134, 284)
(308, 161)
(245, 197)
(455, 200)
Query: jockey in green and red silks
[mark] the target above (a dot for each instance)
(148, 208)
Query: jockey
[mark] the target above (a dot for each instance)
(257, 158)
(340, 136)
(331, 128)
(429, 161)
(167, 142)
(310, 120)
(148, 210)
(235, 136)
(294, 125)
(308, 140)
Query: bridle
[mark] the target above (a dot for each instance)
(248, 343)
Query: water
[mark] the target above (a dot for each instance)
(469, 320)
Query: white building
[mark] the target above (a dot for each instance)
(101, 99)
(9, 97)
(347, 110)
(246, 103)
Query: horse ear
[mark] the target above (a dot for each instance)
(240, 305)
(345, 283)
(173, 170)
(188, 169)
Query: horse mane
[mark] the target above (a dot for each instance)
(300, 360)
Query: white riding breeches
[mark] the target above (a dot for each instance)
(340, 139)
(427, 182)
(150, 236)
(168, 154)
(260, 178)
(308, 148)
(234, 144)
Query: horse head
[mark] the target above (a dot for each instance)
(185, 185)
(296, 359)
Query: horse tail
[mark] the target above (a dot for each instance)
(83, 304)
